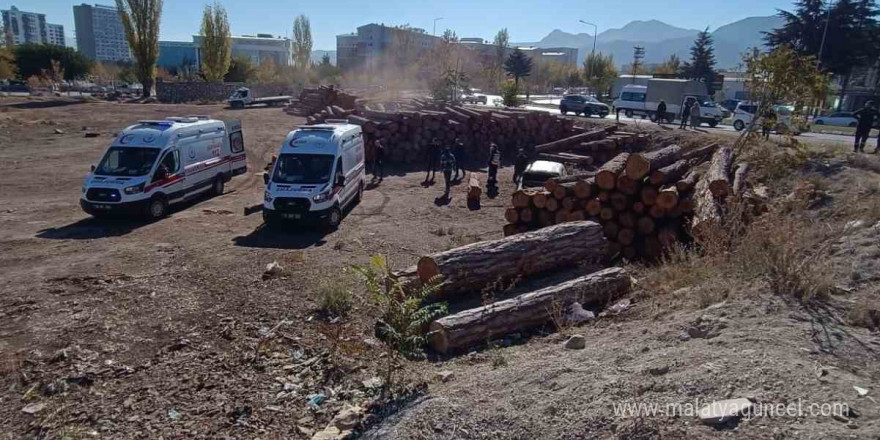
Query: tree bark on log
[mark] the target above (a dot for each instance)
(700, 155)
(688, 182)
(670, 173)
(707, 212)
(564, 144)
(606, 178)
(639, 165)
(475, 326)
(550, 184)
(472, 267)
(718, 174)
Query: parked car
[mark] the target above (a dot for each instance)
(539, 171)
(840, 119)
(745, 112)
(582, 104)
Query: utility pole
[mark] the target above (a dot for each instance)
(824, 34)
(638, 56)
(434, 32)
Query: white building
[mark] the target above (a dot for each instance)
(31, 27)
(259, 48)
(99, 33)
(373, 44)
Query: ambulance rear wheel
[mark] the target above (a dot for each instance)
(217, 187)
(157, 208)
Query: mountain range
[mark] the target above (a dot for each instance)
(661, 40)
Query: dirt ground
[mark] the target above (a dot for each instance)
(120, 329)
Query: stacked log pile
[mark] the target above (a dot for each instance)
(644, 201)
(407, 134)
(324, 102)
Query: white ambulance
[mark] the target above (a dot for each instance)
(318, 172)
(156, 163)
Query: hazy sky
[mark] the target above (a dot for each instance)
(526, 21)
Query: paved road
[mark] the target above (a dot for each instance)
(813, 138)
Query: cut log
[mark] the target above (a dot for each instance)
(611, 229)
(568, 203)
(639, 165)
(564, 190)
(627, 185)
(718, 174)
(552, 204)
(511, 215)
(667, 198)
(619, 201)
(627, 219)
(523, 198)
(649, 195)
(699, 155)
(510, 229)
(564, 144)
(645, 225)
(668, 237)
(638, 207)
(626, 236)
(562, 216)
(583, 189)
(606, 178)
(550, 184)
(567, 158)
(739, 178)
(474, 191)
(594, 206)
(526, 215)
(707, 211)
(476, 326)
(540, 200)
(475, 266)
(688, 182)
(669, 174)
(606, 213)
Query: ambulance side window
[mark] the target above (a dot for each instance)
(339, 172)
(170, 163)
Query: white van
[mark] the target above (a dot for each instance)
(318, 172)
(153, 164)
(745, 112)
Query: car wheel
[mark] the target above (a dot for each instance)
(851, 124)
(738, 125)
(820, 122)
(157, 208)
(334, 218)
(563, 110)
(628, 113)
(603, 115)
(713, 123)
(217, 187)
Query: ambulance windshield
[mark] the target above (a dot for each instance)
(127, 161)
(303, 169)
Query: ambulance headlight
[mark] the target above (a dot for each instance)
(135, 189)
(323, 197)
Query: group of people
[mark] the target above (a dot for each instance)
(450, 161)
(690, 113)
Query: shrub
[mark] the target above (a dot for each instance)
(334, 299)
(509, 94)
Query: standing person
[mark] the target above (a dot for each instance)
(661, 112)
(685, 114)
(433, 153)
(519, 166)
(866, 115)
(447, 164)
(768, 122)
(379, 161)
(494, 162)
(695, 114)
(459, 157)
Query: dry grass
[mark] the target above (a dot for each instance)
(334, 298)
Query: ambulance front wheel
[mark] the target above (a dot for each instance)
(334, 218)
(157, 208)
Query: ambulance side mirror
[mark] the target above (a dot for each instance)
(340, 180)
(265, 178)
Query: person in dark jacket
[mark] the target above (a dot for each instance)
(867, 117)
(519, 166)
(458, 151)
(447, 164)
(661, 112)
(494, 162)
(379, 161)
(685, 114)
(433, 155)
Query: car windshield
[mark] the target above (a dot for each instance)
(308, 169)
(127, 161)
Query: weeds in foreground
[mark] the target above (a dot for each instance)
(334, 299)
(497, 356)
(403, 316)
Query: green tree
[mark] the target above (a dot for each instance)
(8, 68)
(501, 43)
(518, 65)
(326, 71)
(240, 70)
(216, 43)
(600, 73)
(444, 88)
(140, 19)
(33, 59)
(403, 316)
(702, 64)
(850, 40)
(302, 42)
(784, 76)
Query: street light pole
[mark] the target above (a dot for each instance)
(434, 32)
(595, 31)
